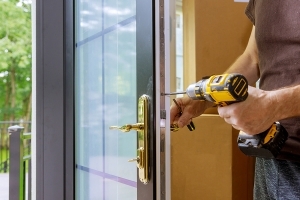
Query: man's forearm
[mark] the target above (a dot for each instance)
(247, 63)
(246, 66)
(286, 102)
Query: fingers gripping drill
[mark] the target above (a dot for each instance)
(226, 89)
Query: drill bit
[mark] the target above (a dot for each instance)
(174, 93)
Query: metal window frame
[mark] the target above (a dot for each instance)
(145, 41)
(53, 150)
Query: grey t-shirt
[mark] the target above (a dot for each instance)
(277, 33)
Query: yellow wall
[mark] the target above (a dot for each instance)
(216, 33)
(206, 164)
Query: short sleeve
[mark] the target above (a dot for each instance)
(250, 11)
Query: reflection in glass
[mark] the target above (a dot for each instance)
(105, 95)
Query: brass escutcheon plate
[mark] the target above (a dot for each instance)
(143, 137)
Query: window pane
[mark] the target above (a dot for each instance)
(105, 95)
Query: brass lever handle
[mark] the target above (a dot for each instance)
(129, 127)
(134, 160)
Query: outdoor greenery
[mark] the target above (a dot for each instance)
(3, 160)
(15, 63)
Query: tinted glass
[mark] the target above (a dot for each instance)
(105, 95)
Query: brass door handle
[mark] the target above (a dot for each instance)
(142, 128)
(129, 127)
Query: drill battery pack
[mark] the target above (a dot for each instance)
(267, 144)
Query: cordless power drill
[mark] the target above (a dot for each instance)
(226, 89)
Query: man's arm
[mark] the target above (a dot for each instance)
(286, 102)
(262, 108)
(247, 63)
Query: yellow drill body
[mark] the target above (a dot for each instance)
(221, 89)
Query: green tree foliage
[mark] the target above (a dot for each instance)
(15, 60)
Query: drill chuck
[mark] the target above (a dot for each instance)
(190, 91)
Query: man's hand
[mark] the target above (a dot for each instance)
(254, 115)
(190, 109)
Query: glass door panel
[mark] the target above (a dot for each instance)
(105, 95)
